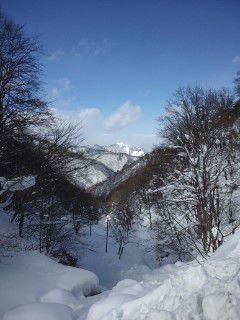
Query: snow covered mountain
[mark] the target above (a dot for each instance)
(104, 188)
(121, 147)
(106, 162)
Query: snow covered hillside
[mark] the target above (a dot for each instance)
(105, 162)
(104, 188)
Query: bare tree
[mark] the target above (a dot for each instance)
(20, 103)
(196, 190)
(121, 223)
(237, 84)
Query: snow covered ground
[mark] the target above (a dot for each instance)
(206, 291)
(107, 266)
(33, 280)
(28, 277)
(34, 287)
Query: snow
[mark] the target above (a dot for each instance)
(121, 147)
(35, 287)
(107, 266)
(106, 306)
(105, 162)
(28, 277)
(40, 311)
(206, 291)
(127, 286)
(59, 296)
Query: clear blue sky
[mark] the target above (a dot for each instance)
(114, 63)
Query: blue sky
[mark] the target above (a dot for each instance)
(113, 64)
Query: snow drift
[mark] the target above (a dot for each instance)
(28, 277)
(208, 290)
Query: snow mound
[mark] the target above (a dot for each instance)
(40, 311)
(107, 306)
(59, 296)
(26, 276)
(127, 286)
(209, 290)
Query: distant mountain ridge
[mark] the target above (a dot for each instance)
(121, 147)
(118, 147)
(106, 162)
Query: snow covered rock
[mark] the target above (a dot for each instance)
(125, 291)
(40, 311)
(220, 306)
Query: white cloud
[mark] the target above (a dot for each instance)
(89, 48)
(86, 116)
(63, 85)
(124, 116)
(89, 119)
(56, 55)
(236, 59)
(89, 112)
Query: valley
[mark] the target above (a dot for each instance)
(119, 160)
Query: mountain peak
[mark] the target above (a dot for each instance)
(121, 147)
(121, 144)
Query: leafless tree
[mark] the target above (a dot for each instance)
(21, 105)
(121, 223)
(197, 191)
(237, 84)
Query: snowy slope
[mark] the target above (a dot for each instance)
(107, 266)
(206, 291)
(93, 173)
(29, 277)
(105, 162)
(34, 287)
(104, 188)
(26, 276)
